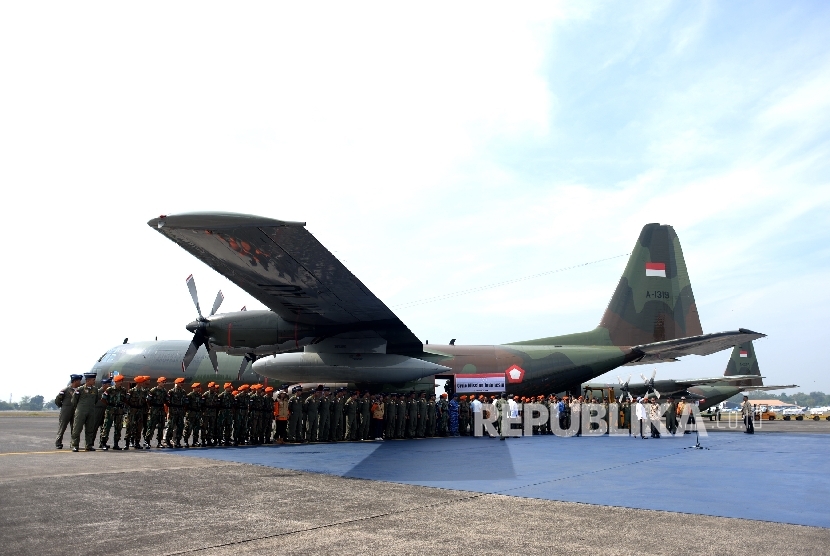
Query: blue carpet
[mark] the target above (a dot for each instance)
(771, 477)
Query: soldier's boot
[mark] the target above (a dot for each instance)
(169, 443)
(74, 448)
(89, 449)
(115, 446)
(126, 446)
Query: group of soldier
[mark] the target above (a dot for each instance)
(255, 414)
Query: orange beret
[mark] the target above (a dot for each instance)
(138, 379)
(228, 385)
(160, 379)
(444, 395)
(235, 392)
(211, 384)
(243, 387)
(256, 386)
(463, 397)
(196, 385)
(179, 380)
(269, 389)
(118, 378)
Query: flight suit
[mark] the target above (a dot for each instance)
(391, 415)
(64, 401)
(156, 418)
(113, 415)
(400, 426)
(295, 418)
(193, 418)
(411, 417)
(312, 411)
(432, 417)
(325, 418)
(84, 400)
(338, 424)
(365, 408)
(421, 426)
(351, 418)
(240, 424)
(100, 409)
(671, 417)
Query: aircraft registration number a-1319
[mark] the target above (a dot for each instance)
(324, 325)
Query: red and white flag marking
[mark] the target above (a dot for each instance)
(656, 269)
(743, 353)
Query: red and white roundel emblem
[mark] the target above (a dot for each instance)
(514, 374)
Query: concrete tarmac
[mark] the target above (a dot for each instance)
(161, 502)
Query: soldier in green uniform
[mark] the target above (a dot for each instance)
(155, 423)
(84, 400)
(295, 408)
(338, 424)
(411, 415)
(114, 398)
(365, 416)
(464, 416)
(176, 404)
(443, 415)
(64, 401)
(432, 416)
(210, 405)
(256, 408)
(421, 426)
(325, 415)
(193, 415)
(312, 413)
(391, 416)
(224, 419)
(671, 416)
(240, 424)
(502, 410)
(101, 405)
(400, 426)
(350, 410)
(136, 401)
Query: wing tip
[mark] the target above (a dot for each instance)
(217, 220)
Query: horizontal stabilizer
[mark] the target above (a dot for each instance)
(705, 344)
(764, 388)
(714, 380)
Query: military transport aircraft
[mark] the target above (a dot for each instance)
(742, 373)
(324, 325)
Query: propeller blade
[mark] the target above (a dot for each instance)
(629, 379)
(629, 397)
(216, 303)
(191, 285)
(643, 377)
(242, 367)
(212, 356)
(622, 396)
(658, 394)
(653, 373)
(191, 351)
(619, 380)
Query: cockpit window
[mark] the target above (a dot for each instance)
(108, 357)
(99, 359)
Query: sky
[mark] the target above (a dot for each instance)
(434, 148)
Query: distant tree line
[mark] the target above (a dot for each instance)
(813, 399)
(26, 403)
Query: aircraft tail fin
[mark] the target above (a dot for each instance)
(744, 362)
(653, 301)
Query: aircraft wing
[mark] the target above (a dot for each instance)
(705, 344)
(283, 266)
(750, 388)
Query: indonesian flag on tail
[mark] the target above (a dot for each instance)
(743, 353)
(656, 269)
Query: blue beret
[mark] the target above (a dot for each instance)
(106, 381)
(75, 377)
(90, 375)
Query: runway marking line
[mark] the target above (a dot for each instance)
(26, 453)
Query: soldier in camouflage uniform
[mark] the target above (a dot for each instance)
(240, 424)
(364, 407)
(421, 426)
(210, 406)
(114, 397)
(101, 405)
(400, 426)
(295, 408)
(350, 410)
(176, 405)
(136, 401)
(411, 415)
(84, 400)
(443, 415)
(224, 418)
(64, 401)
(312, 413)
(464, 416)
(325, 415)
(256, 408)
(193, 415)
(269, 415)
(155, 423)
(503, 412)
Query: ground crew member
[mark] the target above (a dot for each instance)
(240, 424)
(193, 415)
(155, 399)
(64, 401)
(84, 400)
(391, 415)
(224, 417)
(113, 398)
(325, 415)
(295, 413)
(421, 425)
(311, 409)
(748, 413)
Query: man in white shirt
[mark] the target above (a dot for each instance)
(642, 417)
(475, 408)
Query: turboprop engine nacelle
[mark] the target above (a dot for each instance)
(345, 367)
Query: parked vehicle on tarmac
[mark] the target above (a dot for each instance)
(796, 413)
